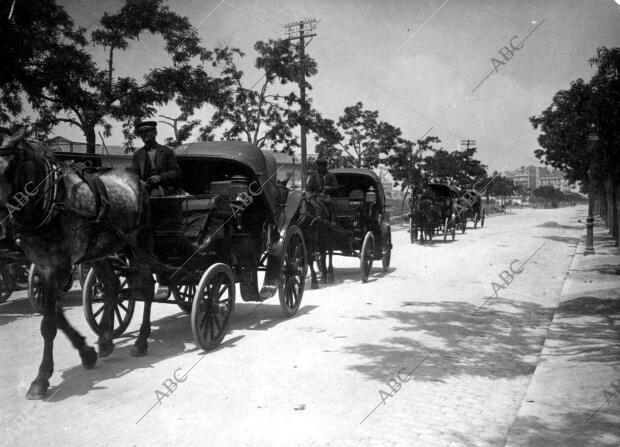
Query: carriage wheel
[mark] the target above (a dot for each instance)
(445, 230)
(35, 290)
(183, 295)
(7, 283)
(482, 219)
(366, 255)
(292, 271)
(386, 252)
(94, 296)
(82, 272)
(213, 304)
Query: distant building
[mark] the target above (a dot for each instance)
(525, 176)
(532, 177)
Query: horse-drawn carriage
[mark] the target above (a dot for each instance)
(360, 224)
(230, 222)
(470, 208)
(433, 211)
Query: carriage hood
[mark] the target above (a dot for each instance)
(220, 158)
(360, 178)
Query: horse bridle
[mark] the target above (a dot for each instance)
(51, 180)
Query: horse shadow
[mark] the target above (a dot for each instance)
(169, 337)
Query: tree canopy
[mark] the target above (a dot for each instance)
(358, 139)
(581, 110)
(63, 83)
(262, 117)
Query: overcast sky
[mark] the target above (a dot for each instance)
(416, 62)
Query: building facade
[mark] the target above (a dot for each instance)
(532, 177)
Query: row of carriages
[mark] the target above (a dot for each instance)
(440, 210)
(234, 224)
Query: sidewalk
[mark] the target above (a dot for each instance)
(571, 400)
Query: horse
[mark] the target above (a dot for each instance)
(62, 216)
(312, 214)
(425, 214)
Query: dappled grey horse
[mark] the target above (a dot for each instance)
(62, 215)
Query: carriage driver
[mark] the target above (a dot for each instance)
(322, 181)
(154, 163)
(321, 185)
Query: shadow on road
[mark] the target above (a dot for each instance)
(490, 343)
(169, 337)
(20, 308)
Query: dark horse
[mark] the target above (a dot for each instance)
(425, 215)
(62, 216)
(314, 219)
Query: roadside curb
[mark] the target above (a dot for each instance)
(564, 404)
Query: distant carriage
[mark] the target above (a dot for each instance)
(231, 222)
(470, 207)
(434, 211)
(360, 227)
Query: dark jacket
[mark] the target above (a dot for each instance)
(318, 183)
(165, 166)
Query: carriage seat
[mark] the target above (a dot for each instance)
(347, 208)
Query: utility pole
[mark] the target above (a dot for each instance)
(468, 143)
(299, 31)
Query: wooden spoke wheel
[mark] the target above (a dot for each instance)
(482, 219)
(213, 305)
(367, 255)
(94, 298)
(184, 295)
(82, 272)
(386, 251)
(35, 289)
(292, 271)
(7, 283)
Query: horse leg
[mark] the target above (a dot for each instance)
(330, 268)
(49, 328)
(314, 284)
(87, 353)
(146, 284)
(323, 265)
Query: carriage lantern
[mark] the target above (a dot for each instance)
(371, 195)
(238, 186)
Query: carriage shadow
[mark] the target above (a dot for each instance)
(345, 275)
(451, 334)
(169, 337)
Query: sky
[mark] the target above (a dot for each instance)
(423, 64)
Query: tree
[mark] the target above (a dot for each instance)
(30, 36)
(576, 113)
(405, 161)
(181, 133)
(457, 167)
(358, 140)
(260, 117)
(66, 85)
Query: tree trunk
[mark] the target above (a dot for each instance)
(91, 139)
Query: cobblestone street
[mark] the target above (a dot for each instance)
(459, 359)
